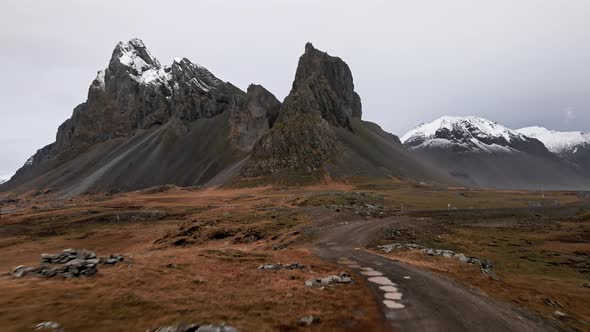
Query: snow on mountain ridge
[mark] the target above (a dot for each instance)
(558, 141)
(484, 126)
(145, 69)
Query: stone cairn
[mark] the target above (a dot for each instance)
(70, 263)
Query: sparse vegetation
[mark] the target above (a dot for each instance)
(210, 243)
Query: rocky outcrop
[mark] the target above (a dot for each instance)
(293, 150)
(303, 139)
(323, 85)
(319, 133)
(254, 117)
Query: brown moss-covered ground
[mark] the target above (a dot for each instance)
(213, 280)
(209, 273)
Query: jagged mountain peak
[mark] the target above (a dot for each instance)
(469, 133)
(558, 141)
(133, 59)
(134, 55)
(323, 86)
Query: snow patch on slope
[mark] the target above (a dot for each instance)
(157, 75)
(144, 68)
(558, 141)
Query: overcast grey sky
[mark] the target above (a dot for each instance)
(519, 62)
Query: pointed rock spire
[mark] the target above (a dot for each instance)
(323, 85)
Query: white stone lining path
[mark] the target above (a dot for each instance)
(391, 294)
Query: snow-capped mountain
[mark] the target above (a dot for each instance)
(469, 134)
(559, 141)
(145, 124)
(480, 152)
(573, 146)
(175, 123)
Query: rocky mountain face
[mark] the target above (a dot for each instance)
(480, 152)
(323, 86)
(319, 131)
(302, 140)
(135, 95)
(147, 124)
(258, 113)
(136, 92)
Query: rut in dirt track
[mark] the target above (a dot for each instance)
(422, 300)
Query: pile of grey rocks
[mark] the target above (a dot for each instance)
(486, 266)
(342, 278)
(279, 266)
(70, 263)
(194, 328)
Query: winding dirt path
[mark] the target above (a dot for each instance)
(412, 299)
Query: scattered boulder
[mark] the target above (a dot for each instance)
(342, 278)
(194, 328)
(397, 246)
(113, 259)
(486, 266)
(308, 320)
(49, 326)
(21, 270)
(279, 266)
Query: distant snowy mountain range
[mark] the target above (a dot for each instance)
(485, 153)
(468, 134)
(473, 133)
